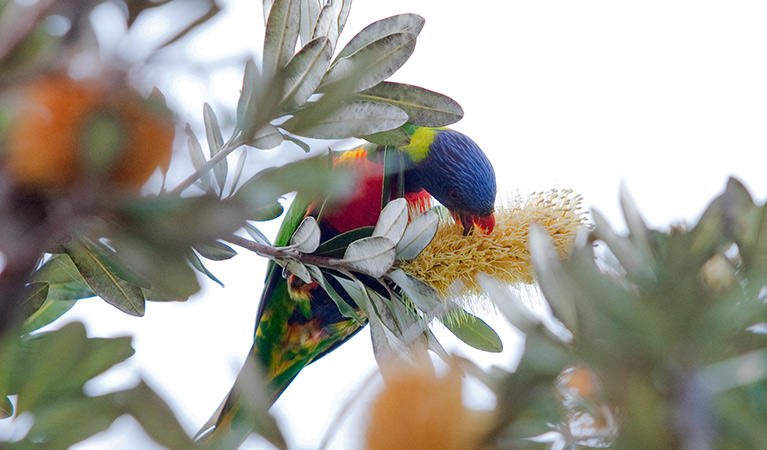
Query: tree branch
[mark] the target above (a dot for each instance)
(278, 253)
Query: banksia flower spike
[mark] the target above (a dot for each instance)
(451, 261)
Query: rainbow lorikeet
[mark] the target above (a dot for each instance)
(438, 162)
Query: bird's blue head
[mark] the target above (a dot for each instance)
(454, 170)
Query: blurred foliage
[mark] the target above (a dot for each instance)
(50, 371)
(668, 346)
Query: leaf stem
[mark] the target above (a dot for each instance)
(280, 253)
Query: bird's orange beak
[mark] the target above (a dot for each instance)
(485, 223)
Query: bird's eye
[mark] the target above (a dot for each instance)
(452, 194)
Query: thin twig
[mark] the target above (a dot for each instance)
(279, 253)
(232, 145)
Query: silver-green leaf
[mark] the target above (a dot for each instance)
(423, 107)
(392, 220)
(351, 119)
(306, 239)
(379, 60)
(281, 36)
(198, 158)
(299, 270)
(310, 11)
(418, 234)
(409, 23)
(304, 73)
(371, 255)
(267, 137)
(215, 143)
(423, 296)
(331, 20)
(250, 96)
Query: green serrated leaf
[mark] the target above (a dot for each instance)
(476, 333)
(423, 107)
(281, 35)
(114, 290)
(348, 120)
(639, 232)
(56, 364)
(633, 261)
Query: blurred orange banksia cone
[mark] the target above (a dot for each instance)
(67, 130)
(419, 410)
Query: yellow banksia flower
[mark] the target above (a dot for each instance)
(451, 261)
(68, 129)
(419, 410)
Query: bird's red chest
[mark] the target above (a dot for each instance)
(363, 206)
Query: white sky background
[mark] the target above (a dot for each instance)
(668, 96)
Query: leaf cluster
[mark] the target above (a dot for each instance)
(669, 321)
(129, 249)
(311, 94)
(358, 271)
(47, 374)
